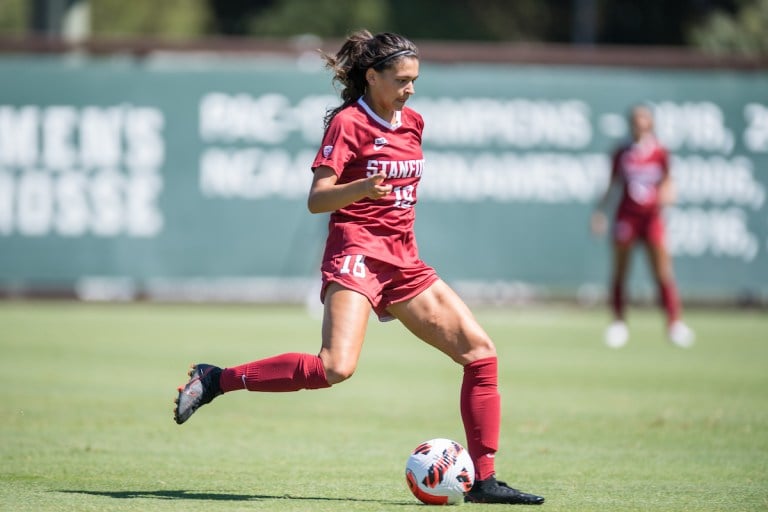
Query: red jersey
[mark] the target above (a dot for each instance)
(642, 167)
(358, 144)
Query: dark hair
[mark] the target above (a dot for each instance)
(359, 53)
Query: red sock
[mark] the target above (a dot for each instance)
(669, 300)
(481, 413)
(286, 372)
(617, 300)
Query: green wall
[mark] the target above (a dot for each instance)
(184, 175)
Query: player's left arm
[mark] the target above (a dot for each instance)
(667, 191)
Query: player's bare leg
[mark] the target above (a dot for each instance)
(440, 318)
(345, 319)
(617, 333)
(661, 266)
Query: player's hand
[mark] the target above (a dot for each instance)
(374, 188)
(599, 223)
(667, 193)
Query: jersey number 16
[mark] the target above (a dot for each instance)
(358, 267)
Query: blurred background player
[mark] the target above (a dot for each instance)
(641, 169)
(366, 174)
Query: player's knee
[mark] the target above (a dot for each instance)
(481, 348)
(337, 373)
(338, 365)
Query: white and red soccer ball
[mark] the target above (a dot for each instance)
(439, 472)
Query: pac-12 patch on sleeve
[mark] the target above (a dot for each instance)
(327, 151)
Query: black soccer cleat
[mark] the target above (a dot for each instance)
(203, 386)
(491, 490)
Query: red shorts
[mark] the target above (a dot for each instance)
(382, 283)
(649, 228)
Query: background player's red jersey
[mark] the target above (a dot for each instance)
(358, 144)
(641, 166)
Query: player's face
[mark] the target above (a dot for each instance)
(642, 122)
(390, 88)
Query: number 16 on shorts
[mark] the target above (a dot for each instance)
(357, 267)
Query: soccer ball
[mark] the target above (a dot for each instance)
(439, 472)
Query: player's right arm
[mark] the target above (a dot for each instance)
(599, 220)
(326, 195)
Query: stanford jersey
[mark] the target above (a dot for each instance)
(641, 166)
(358, 144)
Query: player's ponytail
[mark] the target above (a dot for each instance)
(360, 52)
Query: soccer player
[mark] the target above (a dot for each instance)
(366, 174)
(641, 169)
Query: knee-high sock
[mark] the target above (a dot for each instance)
(617, 299)
(481, 413)
(286, 372)
(670, 301)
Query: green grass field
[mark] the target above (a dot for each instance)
(87, 390)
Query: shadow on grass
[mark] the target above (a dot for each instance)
(214, 496)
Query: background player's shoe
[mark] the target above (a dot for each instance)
(203, 386)
(680, 334)
(491, 490)
(617, 334)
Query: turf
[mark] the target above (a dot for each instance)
(86, 424)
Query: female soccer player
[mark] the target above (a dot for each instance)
(367, 174)
(641, 168)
